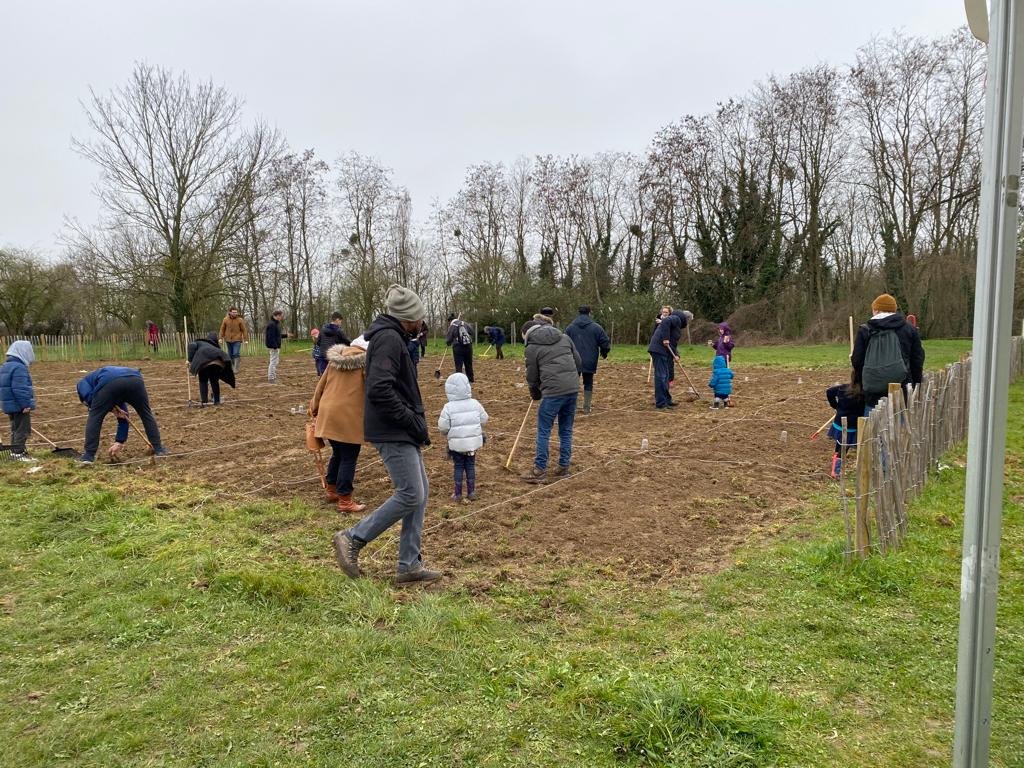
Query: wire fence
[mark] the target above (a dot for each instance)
(898, 445)
(80, 348)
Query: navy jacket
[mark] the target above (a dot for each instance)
(670, 329)
(330, 335)
(272, 336)
(393, 410)
(852, 407)
(590, 340)
(495, 335)
(93, 382)
(16, 393)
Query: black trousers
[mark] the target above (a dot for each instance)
(125, 389)
(499, 355)
(341, 469)
(21, 427)
(209, 378)
(463, 357)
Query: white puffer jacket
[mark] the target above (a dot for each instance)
(462, 418)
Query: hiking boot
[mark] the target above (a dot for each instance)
(348, 507)
(331, 491)
(561, 471)
(346, 552)
(161, 451)
(587, 399)
(536, 475)
(417, 574)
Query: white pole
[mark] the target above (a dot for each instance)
(993, 326)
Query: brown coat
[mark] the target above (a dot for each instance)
(338, 401)
(233, 329)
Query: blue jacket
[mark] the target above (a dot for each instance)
(93, 382)
(721, 378)
(590, 339)
(495, 335)
(669, 329)
(16, 393)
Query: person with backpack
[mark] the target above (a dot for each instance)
(887, 350)
(460, 339)
(590, 340)
(329, 335)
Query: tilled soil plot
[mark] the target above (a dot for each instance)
(708, 479)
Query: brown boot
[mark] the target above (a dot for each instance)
(332, 493)
(347, 506)
(535, 475)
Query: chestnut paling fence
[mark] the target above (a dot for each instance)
(898, 446)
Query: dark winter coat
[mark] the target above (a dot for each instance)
(16, 392)
(670, 329)
(721, 378)
(910, 345)
(394, 409)
(272, 336)
(845, 404)
(203, 352)
(552, 363)
(495, 335)
(590, 340)
(452, 337)
(93, 382)
(330, 335)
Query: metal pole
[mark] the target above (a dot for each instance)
(986, 441)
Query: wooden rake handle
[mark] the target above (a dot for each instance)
(48, 440)
(508, 464)
(137, 431)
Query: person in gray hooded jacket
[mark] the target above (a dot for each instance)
(553, 375)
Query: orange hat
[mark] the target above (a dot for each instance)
(884, 303)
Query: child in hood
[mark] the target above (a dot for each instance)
(724, 343)
(721, 382)
(848, 401)
(18, 396)
(462, 420)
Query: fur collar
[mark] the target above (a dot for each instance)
(346, 358)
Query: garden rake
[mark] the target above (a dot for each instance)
(679, 362)
(69, 453)
(440, 365)
(140, 433)
(508, 464)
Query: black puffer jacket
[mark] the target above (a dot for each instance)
(552, 363)
(910, 344)
(394, 409)
(203, 352)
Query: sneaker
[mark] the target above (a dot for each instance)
(346, 552)
(23, 457)
(536, 475)
(86, 461)
(417, 574)
(561, 471)
(160, 452)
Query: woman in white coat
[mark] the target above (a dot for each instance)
(462, 419)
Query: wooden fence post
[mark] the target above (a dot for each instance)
(861, 532)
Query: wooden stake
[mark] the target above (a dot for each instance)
(188, 375)
(851, 335)
(862, 532)
(508, 464)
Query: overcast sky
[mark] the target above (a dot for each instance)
(428, 86)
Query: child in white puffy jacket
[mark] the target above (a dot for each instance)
(462, 419)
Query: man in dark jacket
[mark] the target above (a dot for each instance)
(211, 364)
(330, 334)
(460, 339)
(663, 349)
(496, 338)
(395, 423)
(112, 389)
(272, 339)
(886, 317)
(590, 340)
(553, 376)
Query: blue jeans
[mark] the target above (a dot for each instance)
(234, 349)
(663, 365)
(563, 408)
(408, 503)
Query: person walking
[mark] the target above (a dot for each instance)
(421, 338)
(18, 396)
(590, 340)
(462, 421)
(234, 333)
(395, 423)
(496, 338)
(330, 334)
(887, 350)
(272, 339)
(111, 389)
(553, 376)
(153, 336)
(460, 339)
(337, 408)
(211, 364)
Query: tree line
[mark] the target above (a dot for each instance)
(783, 210)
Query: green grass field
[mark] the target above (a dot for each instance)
(146, 629)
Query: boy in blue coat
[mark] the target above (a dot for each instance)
(721, 382)
(111, 389)
(17, 396)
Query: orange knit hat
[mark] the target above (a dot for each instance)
(884, 303)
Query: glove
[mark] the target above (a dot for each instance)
(604, 354)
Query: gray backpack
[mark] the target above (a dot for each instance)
(465, 337)
(883, 362)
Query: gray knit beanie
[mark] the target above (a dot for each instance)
(403, 304)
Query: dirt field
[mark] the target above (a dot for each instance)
(708, 480)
